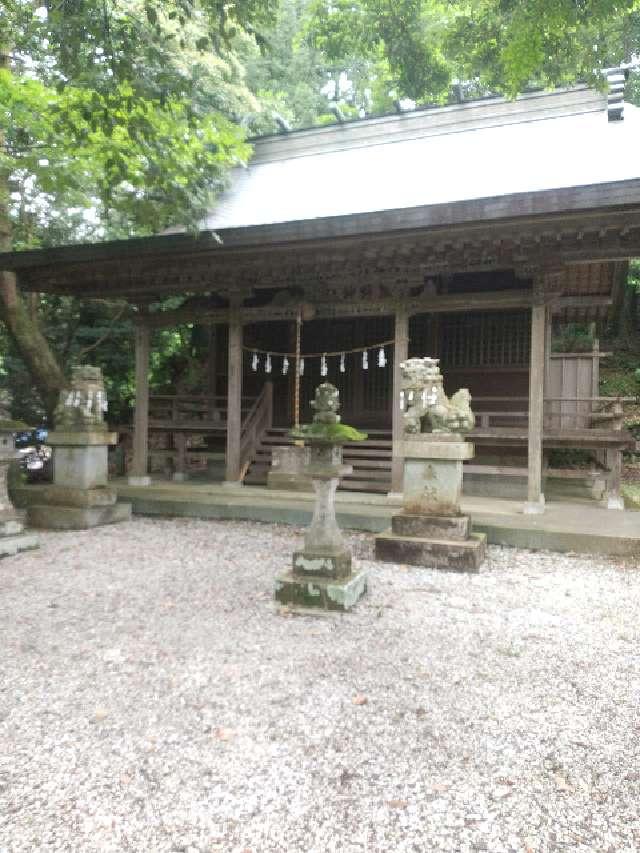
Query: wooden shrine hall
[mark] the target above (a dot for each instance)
(466, 232)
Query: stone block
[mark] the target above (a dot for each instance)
(289, 482)
(10, 545)
(75, 517)
(326, 565)
(325, 593)
(450, 555)
(138, 480)
(11, 523)
(69, 496)
(290, 460)
(432, 486)
(80, 467)
(429, 446)
(431, 526)
(81, 439)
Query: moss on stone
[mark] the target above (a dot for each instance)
(328, 432)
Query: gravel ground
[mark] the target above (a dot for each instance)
(153, 697)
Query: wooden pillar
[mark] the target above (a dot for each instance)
(180, 459)
(212, 372)
(234, 399)
(613, 458)
(614, 499)
(400, 354)
(535, 496)
(139, 474)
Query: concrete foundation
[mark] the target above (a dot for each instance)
(584, 528)
(77, 518)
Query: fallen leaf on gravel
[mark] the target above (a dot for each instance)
(100, 714)
(222, 733)
(501, 792)
(440, 787)
(360, 699)
(397, 804)
(561, 782)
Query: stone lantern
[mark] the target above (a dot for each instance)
(322, 574)
(13, 537)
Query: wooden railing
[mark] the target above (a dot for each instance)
(259, 418)
(573, 413)
(166, 410)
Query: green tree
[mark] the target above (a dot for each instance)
(485, 45)
(117, 118)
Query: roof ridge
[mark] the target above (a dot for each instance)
(418, 124)
(424, 109)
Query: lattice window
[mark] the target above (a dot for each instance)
(485, 340)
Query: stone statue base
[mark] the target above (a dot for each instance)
(431, 530)
(13, 537)
(80, 496)
(322, 573)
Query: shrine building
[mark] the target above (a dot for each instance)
(467, 232)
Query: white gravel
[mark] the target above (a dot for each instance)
(153, 697)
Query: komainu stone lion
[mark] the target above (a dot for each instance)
(425, 406)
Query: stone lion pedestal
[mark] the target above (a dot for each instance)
(322, 574)
(80, 496)
(431, 530)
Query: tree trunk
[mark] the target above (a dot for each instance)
(22, 323)
(30, 342)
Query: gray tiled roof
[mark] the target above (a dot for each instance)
(470, 151)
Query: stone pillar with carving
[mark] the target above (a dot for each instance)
(80, 496)
(13, 537)
(431, 530)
